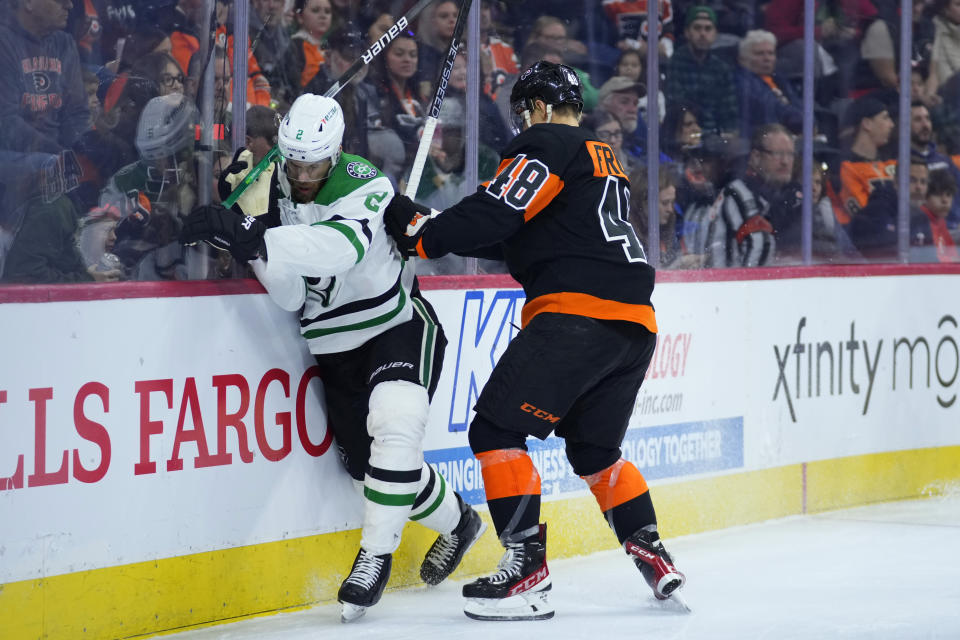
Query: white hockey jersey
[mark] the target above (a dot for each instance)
(333, 260)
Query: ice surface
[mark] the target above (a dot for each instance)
(889, 571)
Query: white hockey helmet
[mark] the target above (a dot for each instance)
(312, 130)
(166, 127)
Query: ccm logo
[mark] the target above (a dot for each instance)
(530, 581)
(539, 413)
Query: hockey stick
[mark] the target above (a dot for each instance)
(426, 138)
(365, 59)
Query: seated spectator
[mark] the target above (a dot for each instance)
(673, 251)
(838, 28)
(607, 128)
(863, 169)
(181, 22)
(396, 80)
(764, 96)
(945, 56)
(304, 57)
(162, 70)
(630, 65)
(680, 130)
(763, 200)
(493, 129)
(270, 38)
(260, 198)
(930, 239)
(553, 33)
(880, 48)
(923, 147)
(632, 26)
(435, 33)
(145, 40)
(620, 96)
(698, 75)
(874, 229)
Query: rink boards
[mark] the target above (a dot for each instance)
(165, 462)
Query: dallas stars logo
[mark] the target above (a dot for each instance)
(361, 170)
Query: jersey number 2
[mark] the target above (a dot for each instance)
(613, 211)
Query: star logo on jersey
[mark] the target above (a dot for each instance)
(361, 170)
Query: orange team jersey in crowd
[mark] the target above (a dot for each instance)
(503, 63)
(312, 59)
(956, 161)
(183, 46)
(258, 87)
(857, 180)
(630, 17)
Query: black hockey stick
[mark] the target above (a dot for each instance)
(433, 113)
(365, 59)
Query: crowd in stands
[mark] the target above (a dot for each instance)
(103, 148)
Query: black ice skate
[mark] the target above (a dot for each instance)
(448, 550)
(655, 564)
(518, 591)
(364, 586)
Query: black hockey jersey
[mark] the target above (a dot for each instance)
(558, 207)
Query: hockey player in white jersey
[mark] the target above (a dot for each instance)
(376, 339)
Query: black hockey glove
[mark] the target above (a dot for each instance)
(221, 228)
(224, 188)
(406, 221)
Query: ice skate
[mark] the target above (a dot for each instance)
(364, 586)
(448, 550)
(518, 590)
(655, 564)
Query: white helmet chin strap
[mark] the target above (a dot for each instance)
(549, 112)
(526, 116)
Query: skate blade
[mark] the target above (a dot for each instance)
(351, 612)
(528, 606)
(676, 602)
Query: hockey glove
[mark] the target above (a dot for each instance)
(406, 221)
(242, 236)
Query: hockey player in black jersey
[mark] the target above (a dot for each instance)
(557, 212)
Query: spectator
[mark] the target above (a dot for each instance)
(930, 239)
(181, 22)
(552, 32)
(493, 129)
(43, 113)
(397, 80)
(258, 87)
(764, 96)
(673, 252)
(697, 74)
(258, 199)
(632, 25)
(838, 28)
(145, 40)
(269, 38)
(699, 198)
(863, 170)
(922, 147)
(945, 57)
(754, 206)
(880, 48)
(162, 70)
(874, 229)
(497, 55)
(608, 129)
(630, 65)
(304, 57)
(436, 31)
(620, 96)
(680, 130)
(365, 134)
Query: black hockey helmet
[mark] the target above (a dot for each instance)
(553, 83)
